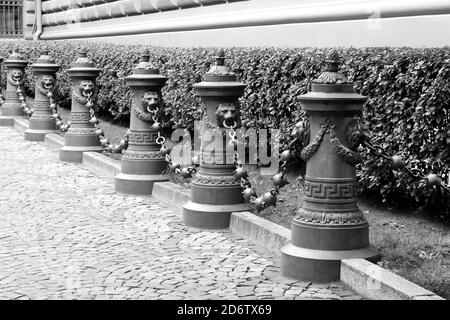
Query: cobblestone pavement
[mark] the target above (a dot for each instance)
(65, 234)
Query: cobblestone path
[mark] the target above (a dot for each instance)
(65, 234)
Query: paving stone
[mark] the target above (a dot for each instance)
(345, 293)
(66, 234)
(245, 291)
(352, 297)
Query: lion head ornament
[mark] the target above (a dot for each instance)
(150, 101)
(16, 75)
(356, 133)
(301, 132)
(227, 115)
(86, 87)
(47, 81)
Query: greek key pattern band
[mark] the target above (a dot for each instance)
(142, 155)
(45, 117)
(81, 117)
(205, 179)
(142, 137)
(41, 105)
(11, 95)
(323, 190)
(81, 131)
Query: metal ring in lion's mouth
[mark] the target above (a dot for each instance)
(230, 123)
(150, 109)
(87, 92)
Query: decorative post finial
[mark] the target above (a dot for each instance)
(144, 64)
(220, 69)
(15, 54)
(220, 58)
(333, 61)
(83, 60)
(331, 74)
(145, 55)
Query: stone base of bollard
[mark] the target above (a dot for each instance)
(319, 265)
(9, 113)
(137, 184)
(75, 154)
(37, 135)
(8, 121)
(208, 216)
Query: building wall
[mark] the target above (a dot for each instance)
(29, 7)
(434, 31)
(290, 23)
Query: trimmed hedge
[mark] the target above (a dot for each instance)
(407, 110)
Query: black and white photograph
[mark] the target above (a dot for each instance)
(225, 159)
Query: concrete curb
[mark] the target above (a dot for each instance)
(21, 125)
(171, 193)
(259, 230)
(54, 140)
(376, 283)
(98, 162)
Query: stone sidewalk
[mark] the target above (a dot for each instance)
(65, 234)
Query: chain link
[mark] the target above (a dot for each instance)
(2, 98)
(279, 180)
(55, 115)
(104, 141)
(22, 99)
(184, 171)
(397, 163)
(116, 148)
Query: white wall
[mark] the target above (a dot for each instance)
(419, 31)
(413, 23)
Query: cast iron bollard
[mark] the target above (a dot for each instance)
(15, 76)
(142, 164)
(41, 120)
(81, 136)
(215, 190)
(1, 90)
(329, 227)
(1, 95)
